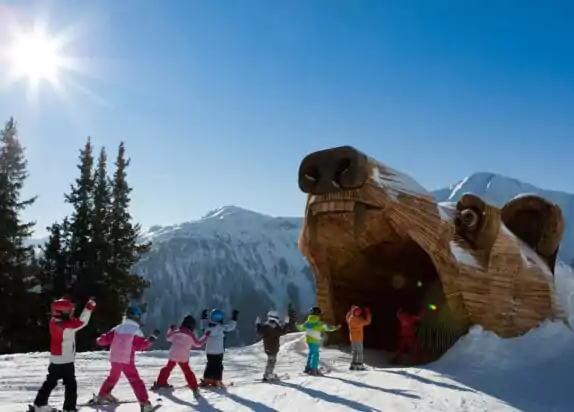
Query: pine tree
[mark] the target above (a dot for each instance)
(55, 276)
(126, 251)
(16, 259)
(81, 254)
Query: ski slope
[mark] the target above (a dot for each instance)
(531, 373)
(481, 373)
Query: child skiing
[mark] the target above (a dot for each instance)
(124, 340)
(356, 322)
(63, 327)
(407, 338)
(215, 347)
(314, 327)
(182, 340)
(271, 331)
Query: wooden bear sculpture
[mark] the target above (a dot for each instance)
(374, 237)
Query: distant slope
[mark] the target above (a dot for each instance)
(231, 258)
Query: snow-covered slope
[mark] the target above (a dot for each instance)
(497, 190)
(480, 373)
(231, 258)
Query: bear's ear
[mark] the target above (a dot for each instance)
(477, 222)
(536, 222)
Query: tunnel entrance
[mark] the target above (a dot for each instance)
(394, 275)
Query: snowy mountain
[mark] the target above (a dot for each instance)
(480, 373)
(497, 190)
(230, 258)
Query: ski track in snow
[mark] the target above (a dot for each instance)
(480, 373)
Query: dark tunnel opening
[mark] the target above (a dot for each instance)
(386, 277)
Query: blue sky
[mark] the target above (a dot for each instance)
(218, 101)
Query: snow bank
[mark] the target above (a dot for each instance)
(531, 372)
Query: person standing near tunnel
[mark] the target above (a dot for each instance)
(357, 319)
(407, 337)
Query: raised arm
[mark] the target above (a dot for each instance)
(369, 317)
(81, 322)
(329, 328)
(106, 339)
(232, 323)
(141, 343)
(170, 334)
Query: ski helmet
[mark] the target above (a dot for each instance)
(62, 306)
(315, 310)
(272, 315)
(189, 322)
(357, 311)
(216, 315)
(134, 312)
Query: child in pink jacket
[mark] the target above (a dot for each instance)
(182, 340)
(124, 340)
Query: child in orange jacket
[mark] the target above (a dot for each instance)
(356, 321)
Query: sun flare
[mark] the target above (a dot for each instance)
(36, 57)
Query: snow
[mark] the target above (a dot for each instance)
(446, 210)
(395, 182)
(463, 256)
(230, 258)
(481, 372)
(529, 256)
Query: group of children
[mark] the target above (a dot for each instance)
(124, 340)
(127, 338)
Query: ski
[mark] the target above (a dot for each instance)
(278, 378)
(119, 402)
(31, 409)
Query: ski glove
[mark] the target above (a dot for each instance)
(91, 304)
(234, 314)
(204, 314)
(155, 334)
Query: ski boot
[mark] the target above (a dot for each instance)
(108, 399)
(357, 367)
(45, 408)
(196, 393)
(155, 386)
(146, 407)
(307, 369)
(205, 383)
(270, 377)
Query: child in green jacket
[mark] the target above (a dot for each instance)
(314, 328)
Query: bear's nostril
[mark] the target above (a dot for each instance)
(312, 174)
(343, 165)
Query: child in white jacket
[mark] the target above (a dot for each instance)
(215, 346)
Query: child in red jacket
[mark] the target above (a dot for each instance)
(63, 328)
(407, 337)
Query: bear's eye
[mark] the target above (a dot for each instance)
(468, 219)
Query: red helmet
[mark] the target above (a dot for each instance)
(62, 305)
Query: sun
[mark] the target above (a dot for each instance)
(36, 57)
